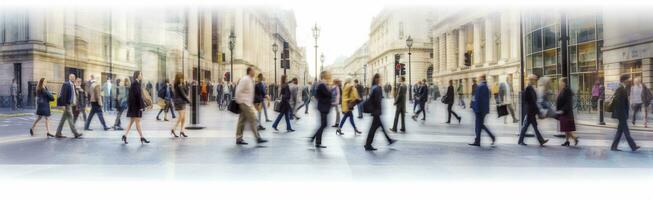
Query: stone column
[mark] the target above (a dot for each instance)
(443, 52)
(477, 43)
(489, 41)
(514, 35)
(462, 38)
(451, 47)
(505, 36)
(436, 53)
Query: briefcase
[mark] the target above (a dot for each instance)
(277, 105)
(233, 107)
(502, 110)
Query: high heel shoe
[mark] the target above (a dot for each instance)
(358, 132)
(143, 140)
(173, 133)
(576, 141)
(183, 134)
(124, 139)
(31, 132)
(49, 135)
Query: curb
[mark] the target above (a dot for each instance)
(611, 126)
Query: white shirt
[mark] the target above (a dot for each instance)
(636, 94)
(245, 91)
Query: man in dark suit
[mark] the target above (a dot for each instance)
(620, 112)
(420, 98)
(67, 99)
(400, 104)
(361, 94)
(323, 96)
(481, 107)
(531, 110)
(449, 99)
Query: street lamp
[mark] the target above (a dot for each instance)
(316, 34)
(275, 48)
(232, 44)
(322, 60)
(409, 43)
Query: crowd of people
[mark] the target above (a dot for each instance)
(250, 98)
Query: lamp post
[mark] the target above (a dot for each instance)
(365, 74)
(409, 43)
(322, 60)
(316, 34)
(232, 44)
(275, 48)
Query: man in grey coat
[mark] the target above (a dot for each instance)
(400, 104)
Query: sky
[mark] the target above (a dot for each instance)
(343, 29)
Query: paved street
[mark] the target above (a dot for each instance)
(430, 150)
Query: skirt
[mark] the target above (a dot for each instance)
(567, 123)
(181, 106)
(134, 113)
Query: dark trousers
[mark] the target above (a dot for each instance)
(67, 116)
(305, 104)
(95, 109)
(349, 115)
(287, 115)
(480, 125)
(402, 114)
(360, 110)
(451, 112)
(323, 124)
(622, 129)
(530, 121)
(414, 105)
(422, 109)
(166, 109)
(376, 123)
(77, 110)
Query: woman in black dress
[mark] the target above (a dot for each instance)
(135, 107)
(43, 99)
(285, 109)
(180, 100)
(564, 109)
(374, 104)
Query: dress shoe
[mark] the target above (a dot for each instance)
(158, 119)
(475, 144)
(290, 130)
(493, 141)
(414, 118)
(275, 129)
(393, 130)
(403, 130)
(339, 132)
(49, 135)
(166, 120)
(260, 128)
(59, 136)
(459, 119)
(106, 128)
(566, 144)
(392, 141)
(523, 144)
(240, 142)
(260, 140)
(369, 148)
(78, 136)
(117, 128)
(335, 126)
(319, 146)
(636, 147)
(547, 140)
(423, 119)
(614, 149)
(88, 129)
(267, 120)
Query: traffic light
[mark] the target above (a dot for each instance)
(397, 64)
(285, 56)
(403, 69)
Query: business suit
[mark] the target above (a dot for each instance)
(67, 100)
(323, 96)
(529, 106)
(375, 101)
(421, 98)
(449, 99)
(620, 112)
(400, 107)
(481, 107)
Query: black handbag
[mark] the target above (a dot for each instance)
(233, 107)
(277, 105)
(502, 110)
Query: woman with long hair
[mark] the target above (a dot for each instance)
(349, 99)
(565, 111)
(180, 101)
(135, 106)
(374, 105)
(43, 99)
(285, 109)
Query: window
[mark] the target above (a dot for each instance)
(550, 37)
(537, 41)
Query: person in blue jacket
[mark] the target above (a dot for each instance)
(481, 107)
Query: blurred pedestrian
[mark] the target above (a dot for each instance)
(122, 92)
(374, 104)
(259, 99)
(136, 104)
(505, 98)
(179, 99)
(400, 105)
(97, 103)
(350, 99)
(481, 107)
(285, 108)
(80, 108)
(361, 94)
(324, 97)
(531, 110)
(636, 99)
(13, 91)
(461, 94)
(420, 99)
(67, 99)
(565, 112)
(43, 99)
(244, 94)
(306, 97)
(165, 95)
(619, 109)
(336, 91)
(294, 93)
(449, 100)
